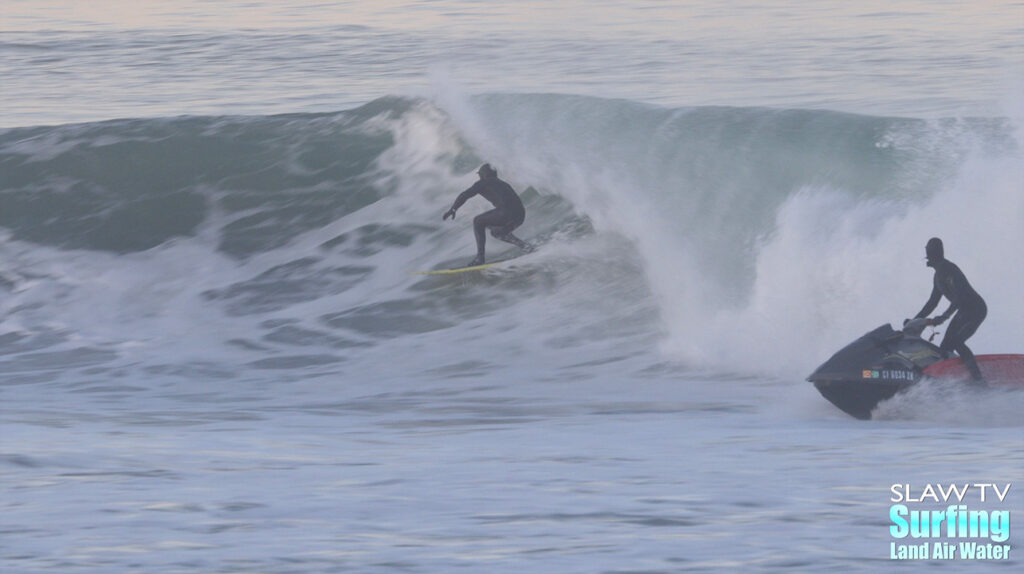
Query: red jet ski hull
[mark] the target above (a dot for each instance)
(998, 370)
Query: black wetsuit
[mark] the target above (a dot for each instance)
(507, 215)
(969, 307)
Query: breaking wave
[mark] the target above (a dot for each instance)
(730, 239)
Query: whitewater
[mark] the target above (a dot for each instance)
(215, 357)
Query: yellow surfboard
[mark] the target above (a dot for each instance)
(460, 269)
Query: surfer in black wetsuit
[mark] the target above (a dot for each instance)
(969, 307)
(507, 215)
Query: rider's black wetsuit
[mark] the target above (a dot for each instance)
(507, 215)
(969, 307)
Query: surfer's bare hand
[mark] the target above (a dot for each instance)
(449, 214)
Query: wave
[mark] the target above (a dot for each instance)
(740, 238)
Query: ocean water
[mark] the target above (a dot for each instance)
(214, 356)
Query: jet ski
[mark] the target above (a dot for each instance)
(887, 361)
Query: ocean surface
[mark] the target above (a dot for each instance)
(214, 356)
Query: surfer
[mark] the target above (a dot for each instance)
(507, 215)
(969, 307)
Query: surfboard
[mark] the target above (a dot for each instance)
(461, 269)
(504, 257)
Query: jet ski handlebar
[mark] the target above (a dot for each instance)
(914, 327)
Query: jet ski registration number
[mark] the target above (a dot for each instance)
(889, 374)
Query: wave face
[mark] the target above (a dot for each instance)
(730, 239)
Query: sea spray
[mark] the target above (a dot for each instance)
(770, 234)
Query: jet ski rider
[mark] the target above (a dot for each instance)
(968, 306)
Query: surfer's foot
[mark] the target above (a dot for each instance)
(509, 238)
(478, 260)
